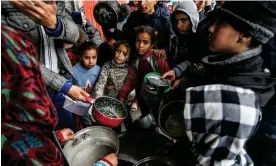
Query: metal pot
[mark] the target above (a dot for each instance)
(126, 160)
(155, 161)
(106, 13)
(108, 111)
(171, 119)
(91, 144)
(154, 88)
(145, 122)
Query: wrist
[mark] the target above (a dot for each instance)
(66, 87)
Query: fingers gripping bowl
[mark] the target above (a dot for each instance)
(108, 112)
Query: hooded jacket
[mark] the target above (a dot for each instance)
(158, 20)
(93, 34)
(219, 120)
(181, 47)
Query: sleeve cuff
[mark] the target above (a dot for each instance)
(178, 72)
(103, 162)
(56, 32)
(59, 136)
(66, 87)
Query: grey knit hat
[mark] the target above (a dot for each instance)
(257, 18)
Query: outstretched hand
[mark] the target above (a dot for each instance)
(40, 12)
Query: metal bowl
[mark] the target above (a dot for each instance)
(91, 144)
(154, 79)
(171, 119)
(155, 161)
(109, 112)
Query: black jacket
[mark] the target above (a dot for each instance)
(242, 70)
(158, 20)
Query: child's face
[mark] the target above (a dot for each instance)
(200, 4)
(89, 58)
(121, 54)
(223, 38)
(147, 6)
(182, 23)
(143, 43)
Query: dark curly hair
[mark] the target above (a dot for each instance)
(87, 46)
(123, 42)
(146, 29)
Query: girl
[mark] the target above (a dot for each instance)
(114, 72)
(86, 71)
(142, 65)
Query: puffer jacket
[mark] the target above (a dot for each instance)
(53, 81)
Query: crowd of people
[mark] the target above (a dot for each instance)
(219, 57)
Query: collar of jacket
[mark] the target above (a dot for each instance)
(118, 65)
(146, 55)
(223, 59)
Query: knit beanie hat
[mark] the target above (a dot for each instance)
(256, 18)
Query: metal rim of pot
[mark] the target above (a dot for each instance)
(152, 158)
(128, 158)
(159, 118)
(158, 75)
(94, 127)
(94, 105)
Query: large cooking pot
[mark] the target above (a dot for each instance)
(91, 144)
(171, 119)
(155, 161)
(106, 13)
(108, 111)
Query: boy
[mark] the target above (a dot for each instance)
(236, 39)
(149, 14)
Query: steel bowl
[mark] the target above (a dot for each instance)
(155, 161)
(109, 112)
(154, 79)
(171, 119)
(91, 144)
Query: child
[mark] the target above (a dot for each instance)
(145, 38)
(235, 39)
(219, 119)
(73, 49)
(114, 72)
(86, 71)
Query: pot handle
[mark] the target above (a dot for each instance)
(89, 99)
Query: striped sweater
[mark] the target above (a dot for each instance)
(111, 79)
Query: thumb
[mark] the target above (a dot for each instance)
(164, 75)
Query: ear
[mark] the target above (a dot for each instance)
(244, 39)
